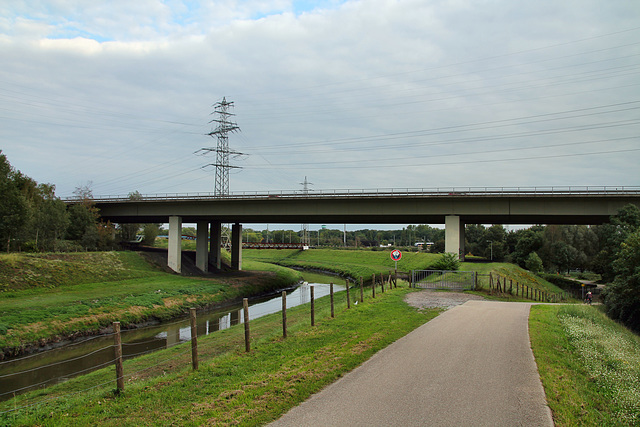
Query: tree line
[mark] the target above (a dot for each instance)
(33, 219)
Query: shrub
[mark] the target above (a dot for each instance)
(448, 261)
(533, 263)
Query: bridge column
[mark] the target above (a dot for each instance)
(236, 247)
(202, 246)
(174, 256)
(216, 243)
(454, 236)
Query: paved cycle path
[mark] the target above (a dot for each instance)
(470, 366)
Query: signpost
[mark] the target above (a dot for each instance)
(396, 255)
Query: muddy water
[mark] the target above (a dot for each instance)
(43, 369)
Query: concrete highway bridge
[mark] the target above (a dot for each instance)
(453, 207)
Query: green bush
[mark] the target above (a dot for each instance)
(534, 263)
(448, 261)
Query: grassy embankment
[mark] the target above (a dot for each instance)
(364, 263)
(589, 365)
(231, 386)
(52, 296)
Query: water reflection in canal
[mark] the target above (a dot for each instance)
(42, 369)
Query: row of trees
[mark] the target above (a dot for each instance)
(556, 248)
(32, 218)
(551, 248)
(620, 260)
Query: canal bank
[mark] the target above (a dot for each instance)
(231, 384)
(42, 369)
(62, 306)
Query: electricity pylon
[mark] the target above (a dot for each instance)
(224, 126)
(221, 132)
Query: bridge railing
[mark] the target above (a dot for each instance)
(388, 192)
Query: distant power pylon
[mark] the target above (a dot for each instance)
(306, 238)
(224, 126)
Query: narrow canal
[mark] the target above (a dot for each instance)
(40, 370)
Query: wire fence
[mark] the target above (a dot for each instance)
(505, 286)
(177, 359)
(178, 356)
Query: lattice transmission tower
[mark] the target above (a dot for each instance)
(223, 127)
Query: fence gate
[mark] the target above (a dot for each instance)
(443, 279)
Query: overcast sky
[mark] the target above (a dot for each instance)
(351, 94)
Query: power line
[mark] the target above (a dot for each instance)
(404, 165)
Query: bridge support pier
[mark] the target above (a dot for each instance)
(202, 243)
(454, 236)
(216, 244)
(174, 255)
(236, 246)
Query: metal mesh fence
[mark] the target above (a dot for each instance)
(442, 279)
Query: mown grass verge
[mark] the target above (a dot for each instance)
(139, 293)
(589, 366)
(231, 386)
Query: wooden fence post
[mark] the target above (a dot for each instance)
(117, 345)
(373, 285)
(510, 286)
(313, 308)
(194, 339)
(284, 314)
(382, 282)
(331, 294)
(395, 278)
(247, 332)
(361, 291)
(348, 297)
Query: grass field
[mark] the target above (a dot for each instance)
(365, 263)
(52, 296)
(231, 387)
(589, 365)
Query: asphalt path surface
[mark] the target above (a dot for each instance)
(470, 366)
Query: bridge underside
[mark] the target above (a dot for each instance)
(453, 210)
